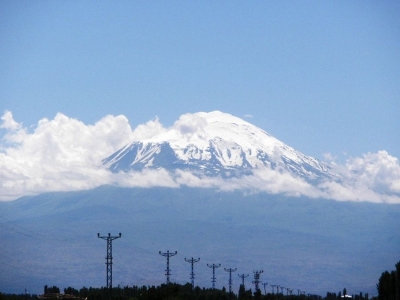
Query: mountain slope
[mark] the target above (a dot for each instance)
(215, 144)
(314, 245)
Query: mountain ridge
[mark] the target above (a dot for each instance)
(318, 245)
(214, 144)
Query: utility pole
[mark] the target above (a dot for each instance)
(230, 270)
(243, 276)
(168, 255)
(257, 279)
(213, 279)
(192, 261)
(109, 258)
(273, 285)
(265, 290)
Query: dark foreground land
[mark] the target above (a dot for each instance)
(388, 288)
(169, 292)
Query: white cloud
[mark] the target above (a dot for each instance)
(146, 178)
(59, 155)
(148, 130)
(329, 157)
(343, 192)
(8, 122)
(374, 176)
(65, 154)
(188, 124)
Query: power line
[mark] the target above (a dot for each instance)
(109, 258)
(230, 270)
(168, 255)
(243, 276)
(192, 261)
(257, 279)
(213, 279)
(265, 290)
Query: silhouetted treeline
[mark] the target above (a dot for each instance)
(18, 296)
(389, 285)
(183, 292)
(334, 296)
(170, 292)
(164, 292)
(388, 289)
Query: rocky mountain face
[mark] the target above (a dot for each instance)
(216, 144)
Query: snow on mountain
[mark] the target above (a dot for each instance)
(213, 144)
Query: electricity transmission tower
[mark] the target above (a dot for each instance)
(265, 290)
(243, 276)
(257, 279)
(109, 258)
(213, 279)
(192, 261)
(273, 285)
(230, 270)
(168, 255)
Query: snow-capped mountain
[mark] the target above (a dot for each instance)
(213, 144)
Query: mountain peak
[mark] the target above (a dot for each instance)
(215, 143)
(199, 128)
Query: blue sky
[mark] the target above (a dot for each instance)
(323, 77)
(320, 76)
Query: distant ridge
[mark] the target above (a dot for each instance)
(318, 246)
